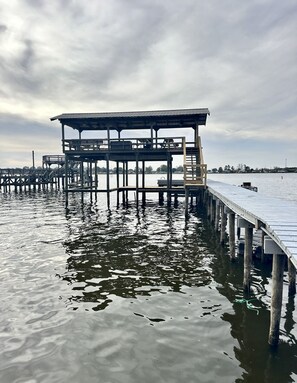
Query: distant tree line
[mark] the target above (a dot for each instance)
(240, 168)
(148, 170)
(243, 168)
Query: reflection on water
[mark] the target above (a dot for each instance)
(134, 254)
(89, 294)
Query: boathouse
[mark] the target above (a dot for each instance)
(137, 137)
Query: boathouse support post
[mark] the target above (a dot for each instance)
(292, 278)
(248, 252)
(231, 221)
(124, 183)
(118, 182)
(127, 181)
(91, 176)
(96, 175)
(156, 136)
(143, 181)
(223, 224)
(278, 265)
(63, 137)
(81, 174)
(107, 181)
(137, 179)
(66, 180)
(161, 198)
(66, 175)
(186, 202)
(169, 179)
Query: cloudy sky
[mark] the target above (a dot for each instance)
(237, 58)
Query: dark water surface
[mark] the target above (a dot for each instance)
(92, 295)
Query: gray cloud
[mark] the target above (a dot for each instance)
(238, 60)
(3, 28)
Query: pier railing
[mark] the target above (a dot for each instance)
(53, 159)
(125, 144)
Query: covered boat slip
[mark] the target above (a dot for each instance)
(152, 143)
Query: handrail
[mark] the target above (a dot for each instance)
(195, 174)
(53, 158)
(138, 143)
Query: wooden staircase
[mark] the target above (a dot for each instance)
(194, 169)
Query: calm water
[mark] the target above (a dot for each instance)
(91, 295)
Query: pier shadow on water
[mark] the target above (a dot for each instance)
(138, 255)
(130, 254)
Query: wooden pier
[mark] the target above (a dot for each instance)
(40, 178)
(276, 218)
(26, 179)
(112, 142)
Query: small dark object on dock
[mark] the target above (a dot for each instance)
(248, 185)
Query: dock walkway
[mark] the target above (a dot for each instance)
(276, 217)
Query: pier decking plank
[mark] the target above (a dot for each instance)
(278, 216)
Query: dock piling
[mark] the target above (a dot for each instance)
(248, 252)
(276, 298)
(231, 220)
(278, 265)
(292, 278)
(223, 225)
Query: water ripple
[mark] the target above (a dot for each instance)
(89, 294)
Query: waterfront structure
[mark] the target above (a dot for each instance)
(112, 142)
(26, 179)
(277, 221)
(52, 159)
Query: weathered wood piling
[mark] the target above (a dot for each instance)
(279, 238)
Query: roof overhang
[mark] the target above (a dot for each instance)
(158, 119)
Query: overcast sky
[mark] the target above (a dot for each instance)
(237, 58)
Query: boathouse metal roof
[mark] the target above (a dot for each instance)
(134, 120)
